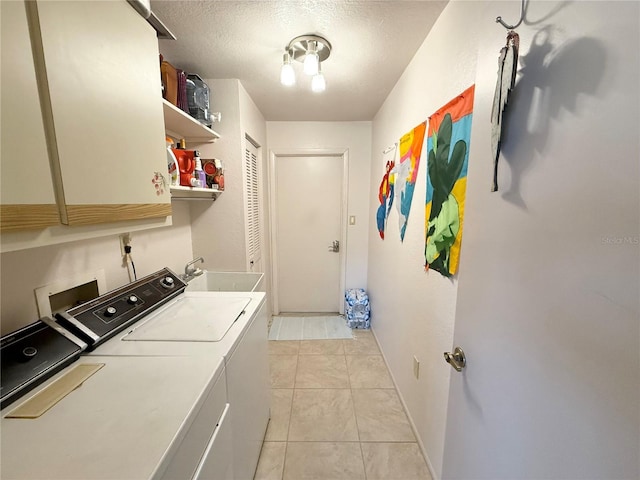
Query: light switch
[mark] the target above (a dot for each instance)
(352, 220)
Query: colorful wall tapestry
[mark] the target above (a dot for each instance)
(447, 161)
(385, 196)
(407, 172)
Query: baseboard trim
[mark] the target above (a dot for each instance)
(406, 410)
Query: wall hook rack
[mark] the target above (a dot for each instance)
(511, 27)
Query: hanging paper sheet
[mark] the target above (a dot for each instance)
(448, 158)
(385, 194)
(407, 172)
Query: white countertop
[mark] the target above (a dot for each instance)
(122, 420)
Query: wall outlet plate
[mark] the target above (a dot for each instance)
(125, 240)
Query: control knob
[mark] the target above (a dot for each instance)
(28, 353)
(132, 300)
(110, 311)
(167, 282)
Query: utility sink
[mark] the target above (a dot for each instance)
(227, 282)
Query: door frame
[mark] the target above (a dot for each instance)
(273, 220)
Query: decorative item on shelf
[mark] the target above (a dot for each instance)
(214, 173)
(218, 179)
(311, 50)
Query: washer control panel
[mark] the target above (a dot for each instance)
(110, 313)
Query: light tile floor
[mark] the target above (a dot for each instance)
(336, 415)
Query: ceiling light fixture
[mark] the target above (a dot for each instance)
(318, 83)
(311, 50)
(311, 60)
(287, 75)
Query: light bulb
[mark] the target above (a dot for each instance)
(318, 83)
(287, 74)
(311, 62)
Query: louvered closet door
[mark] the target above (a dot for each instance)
(252, 207)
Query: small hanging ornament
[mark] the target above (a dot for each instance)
(507, 68)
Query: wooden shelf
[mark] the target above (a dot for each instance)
(179, 124)
(192, 193)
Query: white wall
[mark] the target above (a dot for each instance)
(218, 228)
(413, 311)
(253, 124)
(293, 137)
(25, 270)
(537, 254)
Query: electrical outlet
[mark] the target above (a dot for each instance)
(416, 367)
(125, 240)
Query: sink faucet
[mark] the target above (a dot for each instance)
(191, 271)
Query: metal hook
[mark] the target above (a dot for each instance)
(390, 148)
(511, 27)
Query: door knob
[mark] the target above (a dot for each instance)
(335, 246)
(456, 359)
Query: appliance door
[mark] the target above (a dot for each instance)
(217, 461)
(191, 318)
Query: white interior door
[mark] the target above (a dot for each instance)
(308, 191)
(550, 330)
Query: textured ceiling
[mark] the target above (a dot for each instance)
(372, 40)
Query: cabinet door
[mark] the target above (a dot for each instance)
(26, 190)
(217, 461)
(100, 65)
(249, 394)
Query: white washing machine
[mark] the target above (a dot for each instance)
(154, 322)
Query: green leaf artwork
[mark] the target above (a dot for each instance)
(448, 146)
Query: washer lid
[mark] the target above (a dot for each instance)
(191, 319)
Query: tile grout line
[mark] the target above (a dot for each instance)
(355, 416)
(286, 444)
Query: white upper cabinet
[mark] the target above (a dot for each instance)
(26, 191)
(98, 67)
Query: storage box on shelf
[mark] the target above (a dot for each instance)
(179, 124)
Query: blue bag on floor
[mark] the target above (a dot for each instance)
(356, 308)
